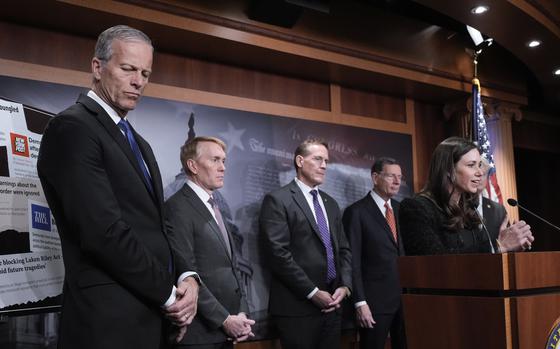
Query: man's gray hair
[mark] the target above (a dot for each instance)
(484, 166)
(104, 46)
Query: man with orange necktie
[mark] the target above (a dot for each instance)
(372, 231)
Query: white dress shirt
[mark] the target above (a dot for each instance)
(306, 190)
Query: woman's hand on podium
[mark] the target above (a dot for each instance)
(515, 237)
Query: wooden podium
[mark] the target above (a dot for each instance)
(477, 301)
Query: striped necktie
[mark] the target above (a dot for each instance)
(325, 236)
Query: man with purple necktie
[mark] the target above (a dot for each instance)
(307, 253)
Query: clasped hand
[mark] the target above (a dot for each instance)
(238, 327)
(182, 311)
(327, 302)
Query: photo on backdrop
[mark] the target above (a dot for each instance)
(259, 159)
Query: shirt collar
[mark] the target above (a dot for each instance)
(304, 187)
(112, 113)
(201, 193)
(378, 199)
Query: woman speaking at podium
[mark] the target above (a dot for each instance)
(442, 218)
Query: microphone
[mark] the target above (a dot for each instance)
(513, 203)
(474, 206)
(487, 233)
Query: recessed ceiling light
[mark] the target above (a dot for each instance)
(534, 43)
(478, 10)
(557, 72)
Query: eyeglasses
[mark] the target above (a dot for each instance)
(392, 176)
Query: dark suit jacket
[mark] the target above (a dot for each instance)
(374, 255)
(116, 253)
(493, 214)
(197, 237)
(296, 256)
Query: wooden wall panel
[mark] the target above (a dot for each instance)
(372, 105)
(536, 136)
(73, 52)
(32, 45)
(430, 129)
(235, 81)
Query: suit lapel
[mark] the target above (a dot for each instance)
(202, 210)
(487, 214)
(114, 131)
(400, 246)
(151, 162)
(331, 214)
(492, 217)
(304, 206)
(380, 218)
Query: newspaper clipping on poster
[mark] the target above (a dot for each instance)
(31, 267)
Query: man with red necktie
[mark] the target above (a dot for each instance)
(372, 230)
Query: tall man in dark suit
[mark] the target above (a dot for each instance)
(372, 230)
(102, 182)
(493, 214)
(308, 255)
(203, 238)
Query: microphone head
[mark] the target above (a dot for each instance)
(512, 202)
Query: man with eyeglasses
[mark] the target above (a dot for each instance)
(307, 253)
(372, 230)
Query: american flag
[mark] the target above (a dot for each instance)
(480, 136)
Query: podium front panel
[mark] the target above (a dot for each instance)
(443, 322)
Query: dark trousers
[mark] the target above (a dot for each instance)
(224, 345)
(310, 332)
(374, 338)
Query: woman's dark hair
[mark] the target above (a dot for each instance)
(441, 184)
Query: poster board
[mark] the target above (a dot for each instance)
(31, 267)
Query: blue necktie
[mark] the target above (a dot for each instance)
(125, 127)
(325, 237)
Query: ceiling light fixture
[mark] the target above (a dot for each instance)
(479, 40)
(557, 72)
(534, 43)
(478, 10)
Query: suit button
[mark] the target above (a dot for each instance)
(237, 291)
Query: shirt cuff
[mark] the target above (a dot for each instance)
(171, 298)
(182, 277)
(186, 275)
(359, 304)
(312, 293)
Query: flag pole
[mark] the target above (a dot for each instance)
(475, 89)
